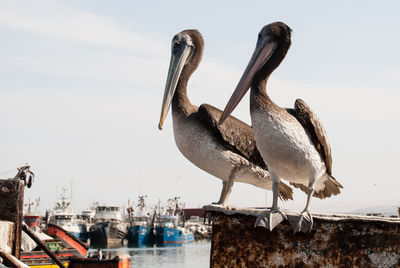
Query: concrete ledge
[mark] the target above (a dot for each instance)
(335, 241)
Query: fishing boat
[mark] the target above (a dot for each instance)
(64, 217)
(108, 228)
(168, 231)
(31, 215)
(58, 249)
(87, 217)
(140, 231)
(39, 258)
(170, 228)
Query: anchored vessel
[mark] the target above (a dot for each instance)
(170, 227)
(168, 231)
(64, 217)
(32, 216)
(140, 231)
(108, 228)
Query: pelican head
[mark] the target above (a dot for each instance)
(186, 51)
(272, 44)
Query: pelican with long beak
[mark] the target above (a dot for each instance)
(228, 152)
(292, 142)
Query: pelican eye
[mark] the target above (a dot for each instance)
(176, 45)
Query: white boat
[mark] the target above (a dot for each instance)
(64, 217)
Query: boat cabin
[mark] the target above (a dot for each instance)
(112, 213)
(168, 221)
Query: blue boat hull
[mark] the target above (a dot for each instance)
(82, 236)
(139, 235)
(166, 235)
(78, 230)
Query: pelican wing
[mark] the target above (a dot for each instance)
(233, 134)
(303, 113)
(315, 131)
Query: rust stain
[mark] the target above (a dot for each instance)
(237, 243)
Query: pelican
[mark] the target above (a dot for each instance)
(292, 142)
(229, 152)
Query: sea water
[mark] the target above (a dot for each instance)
(196, 254)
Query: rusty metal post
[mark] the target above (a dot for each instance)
(11, 208)
(335, 241)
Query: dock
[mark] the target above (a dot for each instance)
(335, 241)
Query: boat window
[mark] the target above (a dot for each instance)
(63, 217)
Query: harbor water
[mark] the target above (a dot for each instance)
(196, 254)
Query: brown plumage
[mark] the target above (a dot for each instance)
(310, 122)
(292, 141)
(332, 187)
(236, 136)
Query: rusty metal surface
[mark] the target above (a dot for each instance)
(11, 208)
(333, 242)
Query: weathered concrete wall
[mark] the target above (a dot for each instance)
(335, 241)
(11, 208)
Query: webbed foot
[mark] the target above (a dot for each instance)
(220, 204)
(270, 219)
(302, 223)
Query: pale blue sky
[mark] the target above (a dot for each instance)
(82, 83)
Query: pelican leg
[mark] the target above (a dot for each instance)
(272, 218)
(304, 222)
(226, 190)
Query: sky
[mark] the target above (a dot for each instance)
(81, 86)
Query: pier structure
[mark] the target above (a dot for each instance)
(11, 212)
(335, 241)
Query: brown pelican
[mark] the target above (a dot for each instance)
(292, 142)
(228, 152)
